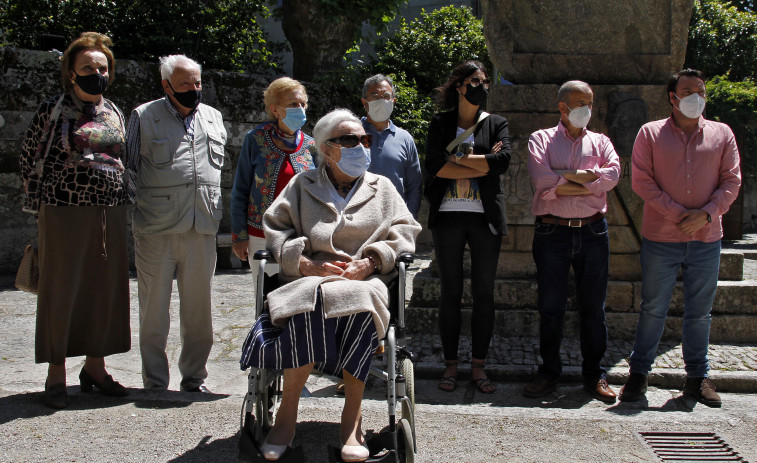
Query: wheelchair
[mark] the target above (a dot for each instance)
(392, 363)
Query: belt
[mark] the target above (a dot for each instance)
(573, 223)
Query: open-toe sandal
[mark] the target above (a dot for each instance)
(448, 383)
(485, 385)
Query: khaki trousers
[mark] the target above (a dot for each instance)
(190, 256)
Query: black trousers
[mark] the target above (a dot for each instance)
(451, 232)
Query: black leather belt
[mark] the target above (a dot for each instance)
(573, 223)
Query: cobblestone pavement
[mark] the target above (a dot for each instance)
(524, 351)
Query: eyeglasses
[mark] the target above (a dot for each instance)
(475, 81)
(379, 96)
(351, 140)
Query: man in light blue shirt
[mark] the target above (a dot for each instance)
(393, 152)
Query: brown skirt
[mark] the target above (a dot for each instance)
(83, 301)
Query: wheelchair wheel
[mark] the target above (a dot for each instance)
(406, 442)
(408, 406)
(268, 398)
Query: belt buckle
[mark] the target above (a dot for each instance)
(574, 223)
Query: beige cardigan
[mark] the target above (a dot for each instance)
(302, 221)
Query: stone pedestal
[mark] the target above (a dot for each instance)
(625, 51)
(552, 41)
(619, 111)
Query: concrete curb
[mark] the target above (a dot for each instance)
(664, 378)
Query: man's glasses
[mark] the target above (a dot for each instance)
(379, 96)
(476, 81)
(351, 140)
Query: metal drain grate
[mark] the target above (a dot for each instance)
(688, 446)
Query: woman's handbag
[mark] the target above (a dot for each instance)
(27, 278)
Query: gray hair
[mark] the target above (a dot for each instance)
(169, 63)
(375, 80)
(572, 86)
(324, 128)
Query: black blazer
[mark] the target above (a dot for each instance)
(493, 129)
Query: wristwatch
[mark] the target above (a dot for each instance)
(458, 156)
(709, 217)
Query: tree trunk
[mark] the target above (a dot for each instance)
(319, 40)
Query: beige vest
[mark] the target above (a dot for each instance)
(179, 176)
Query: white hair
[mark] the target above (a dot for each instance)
(325, 127)
(169, 63)
(572, 86)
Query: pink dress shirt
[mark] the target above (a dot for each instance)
(553, 149)
(673, 174)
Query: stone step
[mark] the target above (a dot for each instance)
(623, 267)
(732, 298)
(620, 326)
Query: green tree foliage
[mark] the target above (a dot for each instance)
(220, 34)
(723, 39)
(734, 103)
(723, 44)
(426, 49)
(744, 5)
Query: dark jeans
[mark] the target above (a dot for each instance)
(451, 232)
(587, 249)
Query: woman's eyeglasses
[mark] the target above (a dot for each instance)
(351, 140)
(476, 81)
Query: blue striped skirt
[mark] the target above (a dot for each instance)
(333, 344)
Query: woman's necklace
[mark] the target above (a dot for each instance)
(345, 189)
(342, 188)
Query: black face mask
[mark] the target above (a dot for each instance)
(476, 95)
(92, 84)
(189, 99)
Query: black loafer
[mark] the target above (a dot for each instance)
(55, 396)
(107, 387)
(201, 388)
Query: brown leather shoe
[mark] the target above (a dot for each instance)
(703, 390)
(601, 391)
(540, 387)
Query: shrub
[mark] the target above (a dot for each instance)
(733, 103)
(722, 39)
(220, 34)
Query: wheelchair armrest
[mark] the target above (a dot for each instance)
(406, 257)
(263, 254)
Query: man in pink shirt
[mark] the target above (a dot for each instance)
(572, 170)
(686, 169)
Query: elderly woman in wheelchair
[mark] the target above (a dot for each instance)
(336, 232)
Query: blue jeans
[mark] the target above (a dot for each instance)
(556, 249)
(659, 268)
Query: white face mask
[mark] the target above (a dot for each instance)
(380, 110)
(579, 117)
(691, 106)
